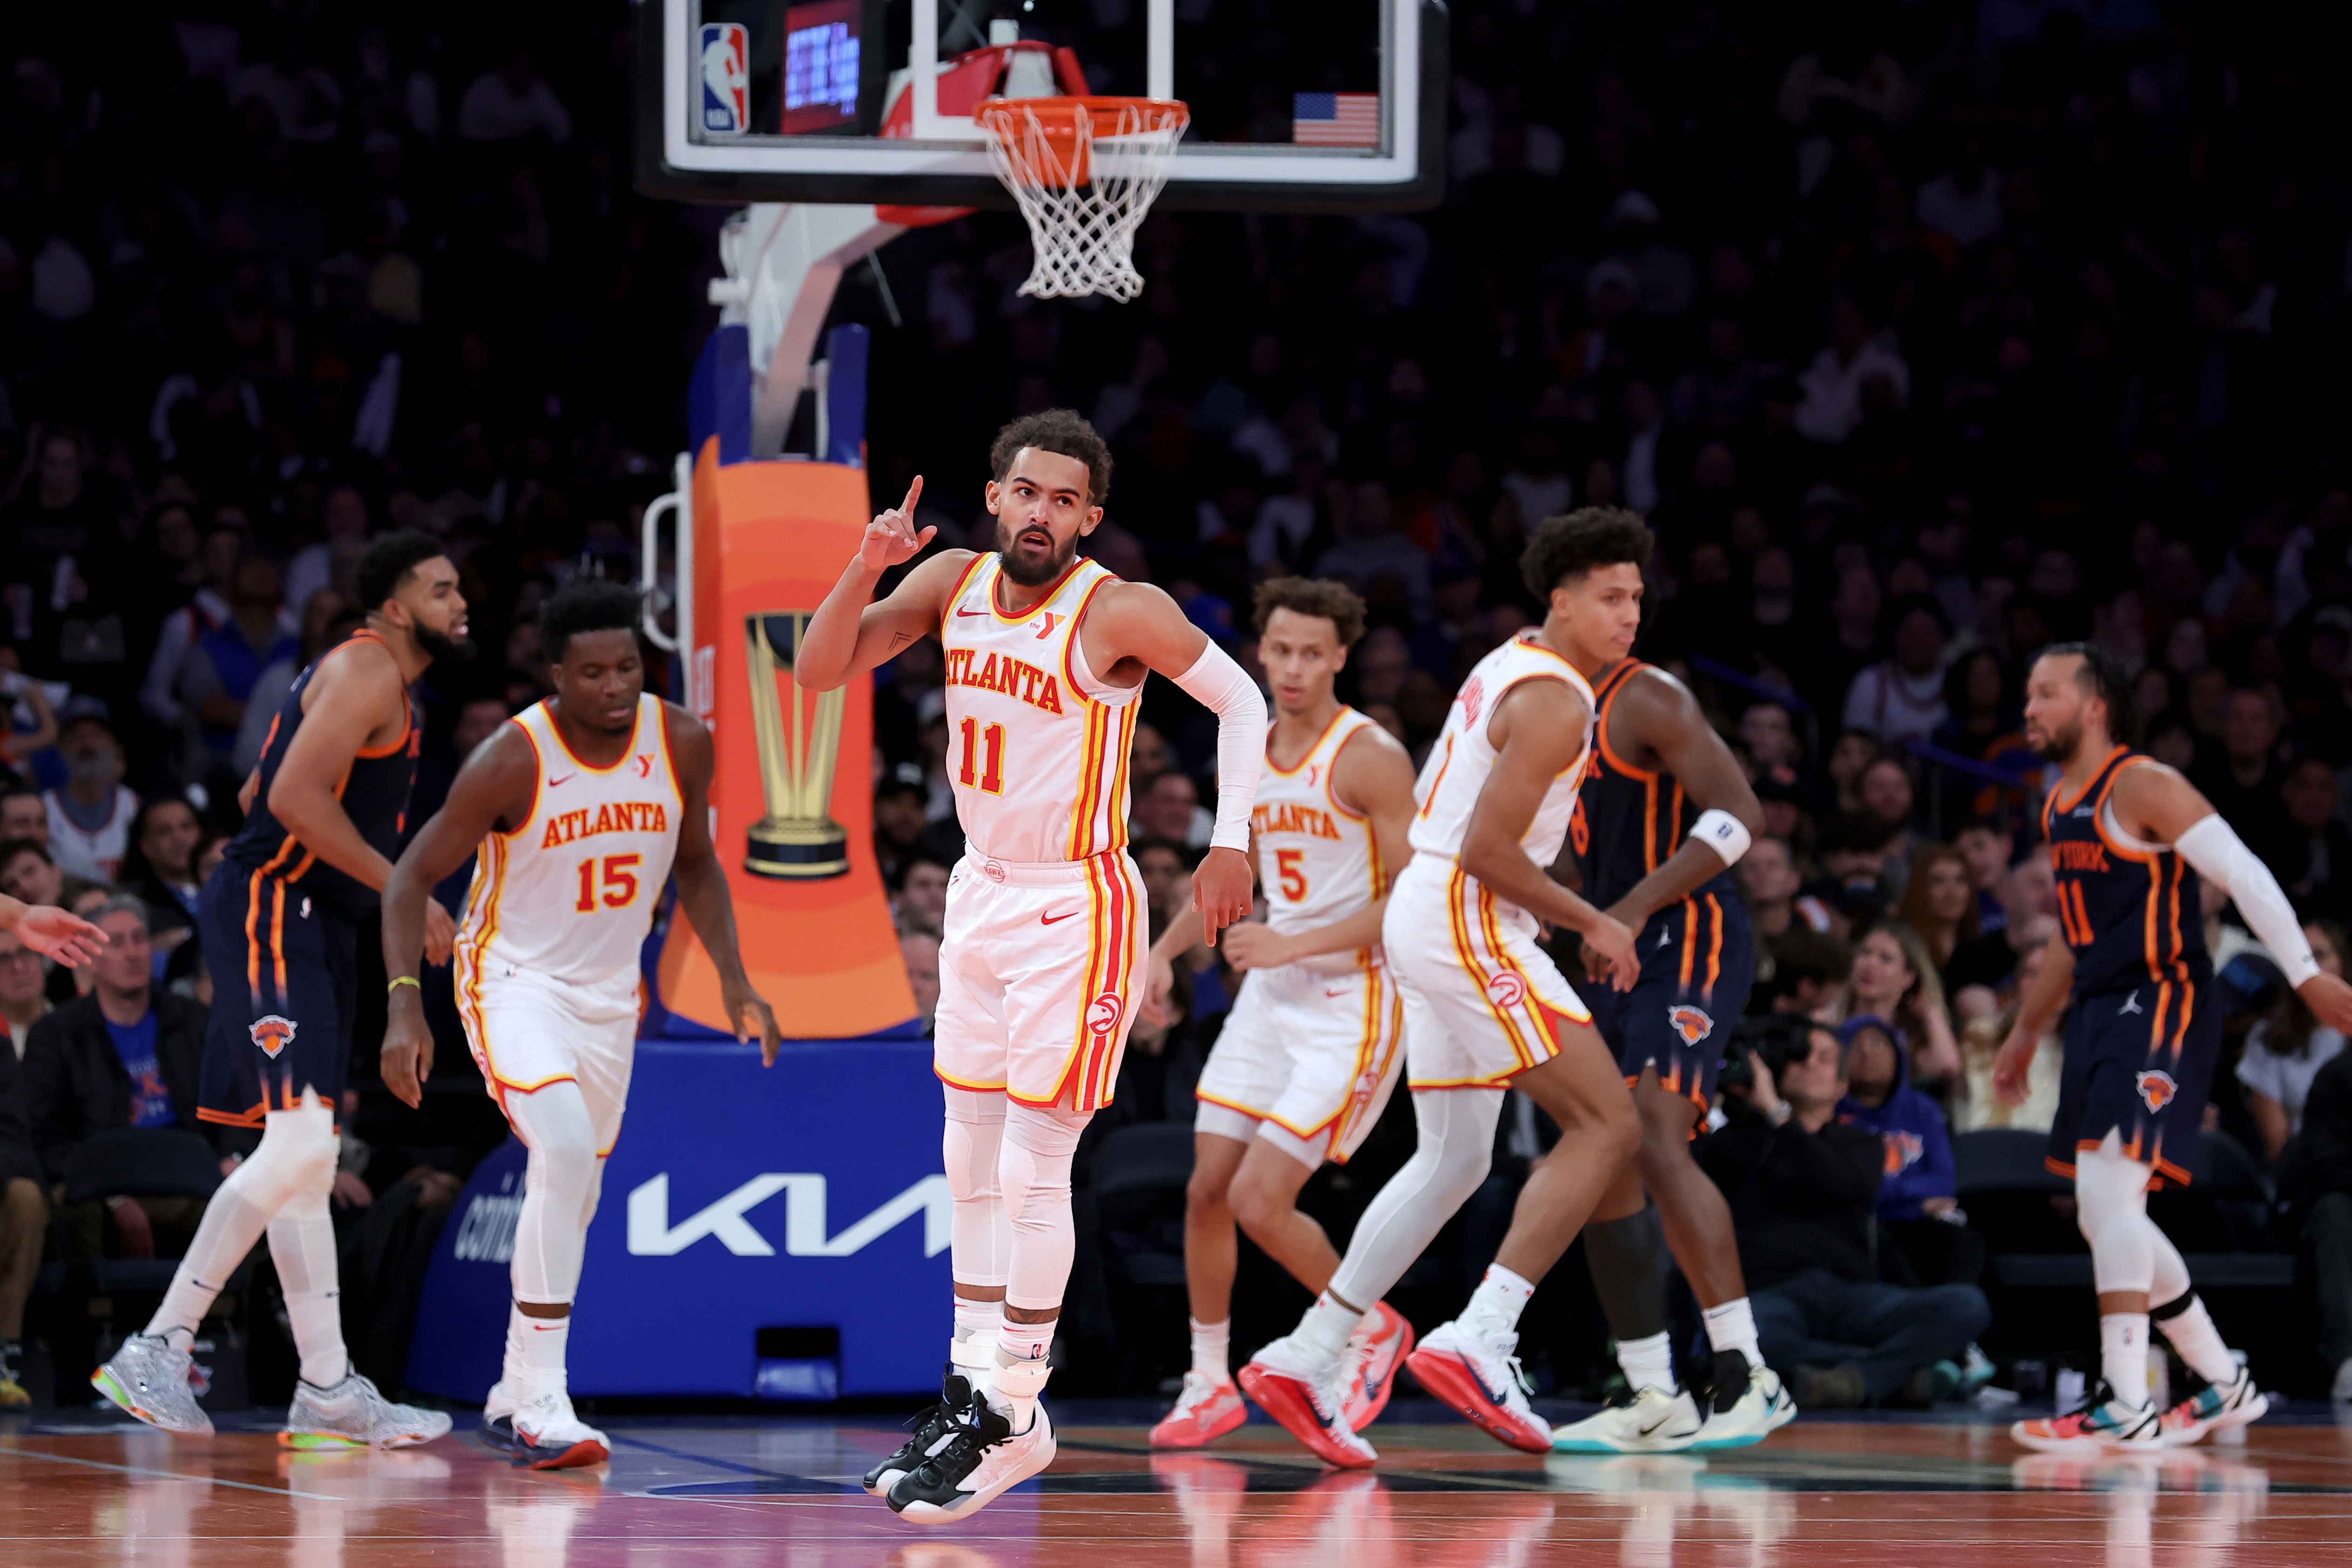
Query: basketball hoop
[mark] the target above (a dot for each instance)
(1084, 170)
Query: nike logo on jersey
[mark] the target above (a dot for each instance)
(1057, 920)
(1334, 993)
(565, 780)
(971, 612)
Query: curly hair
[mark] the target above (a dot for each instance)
(586, 604)
(1334, 602)
(1575, 542)
(1062, 431)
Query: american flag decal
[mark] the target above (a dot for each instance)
(1335, 118)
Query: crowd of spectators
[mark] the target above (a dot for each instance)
(1923, 335)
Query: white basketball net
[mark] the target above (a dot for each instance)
(1084, 235)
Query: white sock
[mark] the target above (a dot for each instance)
(1648, 1363)
(1732, 1327)
(2200, 1345)
(535, 1347)
(975, 1319)
(1025, 1341)
(2122, 1355)
(1495, 1306)
(317, 1319)
(1326, 1328)
(1213, 1350)
(1022, 1353)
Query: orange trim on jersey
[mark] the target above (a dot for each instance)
(669, 757)
(1499, 1081)
(1121, 775)
(1121, 954)
(277, 937)
(1080, 564)
(2155, 900)
(1435, 783)
(407, 709)
(979, 560)
(1307, 755)
(1615, 684)
(1331, 776)
(1069, 1082)
(254, 1117)
(1537, 1007)
(1465, 949)
(1650, 823)
(1526, 640)
(513, 1087)
(2099, 815)
(961, 1083)
(538, 772)
(1690, 943)
(1082, 811)
(1206, 1098)
(252, 941)
(1070, 637)
(556, 728)
(2059, 807)
(1367, 1045)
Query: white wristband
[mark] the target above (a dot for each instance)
(1723, 833)
(1223, 686)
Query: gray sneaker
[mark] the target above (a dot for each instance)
(151, 1380)
(353, 1415)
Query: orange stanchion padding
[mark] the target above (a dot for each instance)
(792, 801)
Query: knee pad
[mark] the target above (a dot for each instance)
(2111, 1210)
(1456, 1147)
(1039, 1146)
(554, 1125)
(971, 1144)
(295, 1159)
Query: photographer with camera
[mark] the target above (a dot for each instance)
(1803, 1189)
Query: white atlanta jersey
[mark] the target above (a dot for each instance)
(1459, 763)
(1037, 746)
(1316, 859)
(567, 896)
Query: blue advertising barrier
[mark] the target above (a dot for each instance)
(797, 1211)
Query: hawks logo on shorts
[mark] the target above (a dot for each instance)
(1691, 1023)
(1103, 1016)
(2157, 1088)
(273, 1033)
(1507, 989)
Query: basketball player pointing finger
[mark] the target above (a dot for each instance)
(1040, 971)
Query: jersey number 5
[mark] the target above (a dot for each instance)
(619, 879)
(1286, 871)
(991, 741)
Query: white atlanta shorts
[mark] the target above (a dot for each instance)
(1304, 1061)
(1482, 1002)
(526, 1033)
(1038, 973)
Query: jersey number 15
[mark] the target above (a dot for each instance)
(618, 873)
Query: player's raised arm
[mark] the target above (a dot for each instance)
(1662, 711)
(1538, 734)
(850, 633)
(702, 882)
(1135, 621)
(492, 789)
(2154, 803)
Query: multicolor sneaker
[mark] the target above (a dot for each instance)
(1649, 1420)
(353, 1415)
(1204, 1412)
(548, 1436)
(1290, 1384)
(2104, 1425)
(1481, 1379)
(1762, 1407)
(2215, 1407)
(1375, 1351)
(156, 1382)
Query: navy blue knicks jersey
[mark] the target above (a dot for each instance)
(374, 795)
(1629, 821)
(2129, 914)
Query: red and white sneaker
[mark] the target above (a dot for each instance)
(1204, 1412)
(1375, 1351)
(1289, 1385)
(2214, 1407)
(1481, 1379)
(2104, 1424)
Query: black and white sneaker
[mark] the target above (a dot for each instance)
(932, 1428)
(982, 1458)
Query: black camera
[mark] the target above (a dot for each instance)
(1776, 1040)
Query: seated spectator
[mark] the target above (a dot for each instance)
(24, 1225)
(1853, 373)
(1902, 699)
(2285, 1050)
(27, 873)
(161, 870)
(1986, 850)
(127, 1055)
(22, 999)
(1975, 1106)
(1894, 978)
(1803, 1190)
(2309, 849)
(28, 724)
(223, 664)
(1940, 903)
(1918, 1213)
(1768, 881)
(90, 815)
(919, 950)
(23, 814)
(1769, 738)
(922, 902)
(1171, 809)
(1807, 973)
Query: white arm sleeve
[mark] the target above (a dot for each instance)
(1223, 688)
(2223, 859)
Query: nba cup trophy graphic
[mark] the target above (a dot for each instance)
(798, 749)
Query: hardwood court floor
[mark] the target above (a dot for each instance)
(81, 1492)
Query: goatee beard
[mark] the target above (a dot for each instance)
(444, 649)
(1011, 565)
(2057, 745)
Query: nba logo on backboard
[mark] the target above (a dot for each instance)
(726, 78)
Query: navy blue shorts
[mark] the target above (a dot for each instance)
(2139, 1062)
(1698, 961)
(285, 973)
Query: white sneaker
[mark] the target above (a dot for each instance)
(1294, 1386)
(2214, 1408)
(1480, 1378)
(353, 1415)
(549, 1437)
(982, 1460)
(151, 1380)
(1375, 1351)
(1649, 1421)
(1762, 1409)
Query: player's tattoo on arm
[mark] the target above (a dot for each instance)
(900, 638)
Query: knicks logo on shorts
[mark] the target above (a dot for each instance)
(1506, 990)
(273, 1035)
(1103, 1015)
(1691, 1024)
(2157, 1090)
